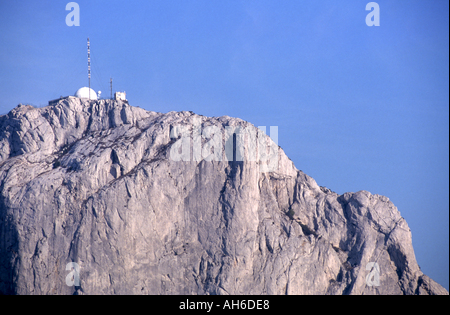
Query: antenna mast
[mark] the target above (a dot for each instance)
(89, 66)
(110, 84)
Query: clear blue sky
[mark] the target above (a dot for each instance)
(358, 107)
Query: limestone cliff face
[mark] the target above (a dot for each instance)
(95, 184)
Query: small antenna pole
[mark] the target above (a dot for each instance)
(89, 66)
(110, 85)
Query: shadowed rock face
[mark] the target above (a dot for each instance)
(94, 183)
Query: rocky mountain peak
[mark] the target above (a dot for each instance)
(178, 203)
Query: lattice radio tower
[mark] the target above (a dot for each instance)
(89, 66)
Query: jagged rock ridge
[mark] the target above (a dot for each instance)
(93, 183)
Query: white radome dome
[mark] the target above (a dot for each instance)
(84, 93)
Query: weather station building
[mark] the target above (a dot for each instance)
(120, 96)
(83, 93)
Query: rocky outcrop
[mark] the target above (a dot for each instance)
(96, 183)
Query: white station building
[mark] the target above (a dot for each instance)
(83, 93)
